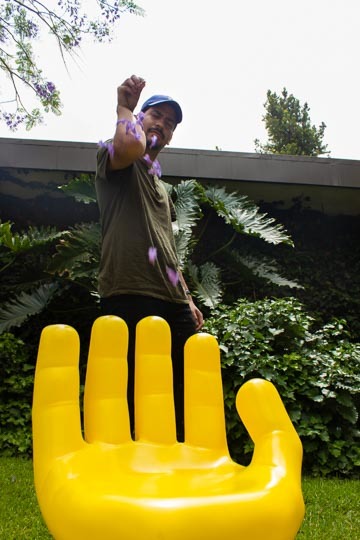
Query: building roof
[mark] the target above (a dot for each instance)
(326, 184)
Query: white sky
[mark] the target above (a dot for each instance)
(218, 59)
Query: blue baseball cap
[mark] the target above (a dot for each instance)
(158, 99)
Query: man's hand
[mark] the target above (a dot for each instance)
(129, 92)
(197, 314)
(127, 148)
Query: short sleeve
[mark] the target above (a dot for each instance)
(101, 159)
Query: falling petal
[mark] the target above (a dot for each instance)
(139, 119)
(173, 276)
(147, 159)
(153, 141)
(152, 254)
(109, 146)
(111, 149)
(154, 166)
(155, 169)
(130, 127)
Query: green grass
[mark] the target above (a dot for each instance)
(332, 506)
(20, 517)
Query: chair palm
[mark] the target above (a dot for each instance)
(109, 486)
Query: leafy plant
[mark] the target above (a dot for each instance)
(16, 384)
(74, 260)
(315, 372)
(24, 258)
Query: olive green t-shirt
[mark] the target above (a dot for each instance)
(135, 214)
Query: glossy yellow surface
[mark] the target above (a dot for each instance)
(107, 486)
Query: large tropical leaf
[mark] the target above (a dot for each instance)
(186, 204)
(25, 241)
(244, 216)
(184, 242)
(81, 188)
(206, 283)
(264, 268)
(16, 311)
(185, 197)
(78, 253)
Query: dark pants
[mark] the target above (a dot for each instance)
(132, 309)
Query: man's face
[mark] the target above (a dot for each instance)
(159, 121)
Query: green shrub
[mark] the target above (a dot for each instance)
(315, 372)
(16, 386)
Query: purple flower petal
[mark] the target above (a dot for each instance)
(153, 141)
(152, 253)
(130, 127)
(147, 159)
(154, 166)
(155, 169)
(108, 145)
(139, 119)
(173, 276)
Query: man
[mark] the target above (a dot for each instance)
(139, 274)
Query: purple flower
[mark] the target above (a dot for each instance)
(45, 90)
(50, 87)
(13, 119)
(152, 253)
(109, 146)
(173, 276)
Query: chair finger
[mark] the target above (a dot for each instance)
(204, 401)
(154, 396)
(265, 417)
(106, 414)
(56, 417)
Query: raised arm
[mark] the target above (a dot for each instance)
(127, 147)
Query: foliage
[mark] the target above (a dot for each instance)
(24, 259)
(315, 371)
(71, 256)
(244, 216)
(289, 128)
(326, 261)
(68, 22)
(77, 255)
(14, 313)
(16, 384)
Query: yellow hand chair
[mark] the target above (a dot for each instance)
(107, 486)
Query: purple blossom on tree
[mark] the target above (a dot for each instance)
(12, 119)
(45, 91)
